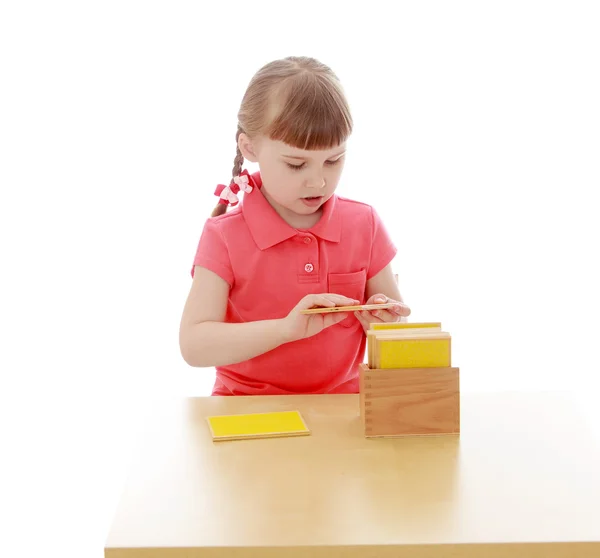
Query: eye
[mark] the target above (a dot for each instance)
(301, 166)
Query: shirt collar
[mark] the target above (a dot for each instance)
(268, 228)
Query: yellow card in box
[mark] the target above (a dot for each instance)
(413, 352)
(405, 325)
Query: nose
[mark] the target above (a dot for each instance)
(316, 182)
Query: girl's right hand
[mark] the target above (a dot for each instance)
(299, 326)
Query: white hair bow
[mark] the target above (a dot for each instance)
(228, 194)
(242, 182)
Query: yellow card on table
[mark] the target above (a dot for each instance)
(257, 425)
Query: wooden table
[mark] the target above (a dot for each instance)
(523, 480)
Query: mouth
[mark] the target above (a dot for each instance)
(312, 201)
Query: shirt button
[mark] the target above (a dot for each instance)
(306, 240)
(308, 268)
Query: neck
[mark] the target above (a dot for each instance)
(293, 219)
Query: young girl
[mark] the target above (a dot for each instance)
(290, 245)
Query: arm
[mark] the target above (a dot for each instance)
(384, 283)
(205, 340)
(383, 287)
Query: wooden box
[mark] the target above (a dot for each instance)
(409, 401)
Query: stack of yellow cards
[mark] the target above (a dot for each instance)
(408, 345)
(257, 425)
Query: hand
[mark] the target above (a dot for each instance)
(297, 326)
(394, 314)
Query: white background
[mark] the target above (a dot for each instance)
(476, 138)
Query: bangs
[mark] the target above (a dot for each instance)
(313, 114)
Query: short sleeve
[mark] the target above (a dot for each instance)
(383, 249)
(212, 252)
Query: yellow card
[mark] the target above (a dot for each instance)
(415, 352)
(358, 307)
(406, 325)
(257, 425)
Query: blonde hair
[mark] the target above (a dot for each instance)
(296, 100)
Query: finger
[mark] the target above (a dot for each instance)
(314, 300)
(394, 314)
(341, 300)
(378, 299)
(403, 311)
(379, 317)
(329, 300)
(365, 324)
(386, 316)
(399, 309)
(332, 319)
(318, 300)
(368, 317)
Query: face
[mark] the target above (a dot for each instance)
(296, 182)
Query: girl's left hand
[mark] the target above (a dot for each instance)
(394, 314)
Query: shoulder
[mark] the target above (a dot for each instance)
(222, 230)
(354, 209)
(226, 222)
(349, 204)
(362, 219)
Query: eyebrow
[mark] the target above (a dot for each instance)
(303, 158)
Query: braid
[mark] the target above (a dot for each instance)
(238, 162)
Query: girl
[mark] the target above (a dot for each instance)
(292, 244)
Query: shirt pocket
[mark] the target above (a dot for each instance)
(352, 285)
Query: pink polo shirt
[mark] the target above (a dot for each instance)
(270, 266)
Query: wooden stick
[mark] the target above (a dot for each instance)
(349, 308)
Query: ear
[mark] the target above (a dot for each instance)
(247, 148)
